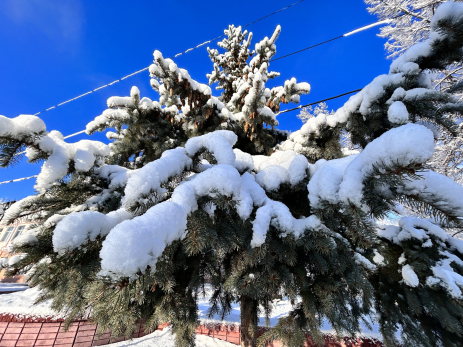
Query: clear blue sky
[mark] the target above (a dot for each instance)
(55, 50)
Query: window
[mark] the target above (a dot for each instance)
(18, 231)
(7, 234)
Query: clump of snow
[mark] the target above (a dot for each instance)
(142, 240)
(409, 276)
(444, 192)
(243, 160)
(447, 277)
(14, 211)
(3, 263)
(378, 258)
(108, 119)
(326, 179)
(397, 113)
(410, 229)
(21, 125)
(413, 228)
(278, 215)
(84, 153)
(149, 178)
(361, 260)
(76, 229)
(405, 145)
(26, 238)
(280, 167)
(219, 143)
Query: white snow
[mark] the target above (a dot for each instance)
(409, 276)
(397, 113)
(21, 304)
(165, 338)
(76, 229)
(407, 144)
(219, 143)
(409, 229)
(444, 192)
(108, 119)
(326, 179)
(280, 167)
(378, 258)
(21, 125)
(243, 160)
(120, 101)
(142, 240)
(149, 178)
(447, 277)
(278, 215)
(84, 153)
(361, 260)
(15, 209)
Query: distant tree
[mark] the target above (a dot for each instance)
(411, 23)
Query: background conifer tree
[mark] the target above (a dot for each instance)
(410, 23)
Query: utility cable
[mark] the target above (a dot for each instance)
(366, 27)
(206, 42)
(175, 56)
(293, 109)
(318, 102)
(221, 36)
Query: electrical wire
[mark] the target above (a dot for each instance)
(381, 22)
(206, 42)
(175, 56)
(318, 102)
(293, 109)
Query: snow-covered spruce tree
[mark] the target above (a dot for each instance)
(410, 23)
(143, 239)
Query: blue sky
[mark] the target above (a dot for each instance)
(55, 50)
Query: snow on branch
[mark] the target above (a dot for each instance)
(30, 131)
(426, 235)
(405, 145)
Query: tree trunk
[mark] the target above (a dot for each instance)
(249, 320)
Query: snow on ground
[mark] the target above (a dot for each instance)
(166, 339)
(22, 304)
(13, 287)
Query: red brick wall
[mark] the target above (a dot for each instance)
(30, 332)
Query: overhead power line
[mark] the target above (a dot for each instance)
(221, 36)
(206, 42)
(335, 38)
(217, 38)
(293, 109)
(18, 179)
(175, 56)
(318, 102)
(366, 27)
